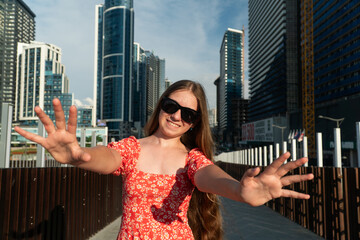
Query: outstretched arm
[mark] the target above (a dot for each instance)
(253, 188)
(62, 144)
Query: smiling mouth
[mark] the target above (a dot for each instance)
(173, 124)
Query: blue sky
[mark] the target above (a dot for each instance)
(186, 33)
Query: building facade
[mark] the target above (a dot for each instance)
(84, 116)
(114, 31)
(139, 83)
(273, 58)
(17, 25)
(155, 81)
(336, 38)
(40, 78)
(231, 81)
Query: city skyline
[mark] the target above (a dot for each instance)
(191, 48)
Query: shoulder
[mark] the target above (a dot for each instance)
(125, 144)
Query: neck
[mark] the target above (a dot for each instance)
(166, 141)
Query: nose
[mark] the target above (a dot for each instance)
(177, 115)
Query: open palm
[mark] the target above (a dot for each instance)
(61, 142)
(257, 189)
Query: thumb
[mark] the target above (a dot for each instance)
(84, 156)
(252, 172)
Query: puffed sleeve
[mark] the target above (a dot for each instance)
(197, 160)
(128, 148)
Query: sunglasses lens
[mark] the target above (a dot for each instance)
(169, 106)
(188, 116)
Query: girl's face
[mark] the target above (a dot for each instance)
(172, 124)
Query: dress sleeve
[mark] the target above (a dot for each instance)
(197, 160)
(129, 151)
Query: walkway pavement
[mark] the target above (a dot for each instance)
(242, 222)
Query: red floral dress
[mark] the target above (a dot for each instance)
(155, 205)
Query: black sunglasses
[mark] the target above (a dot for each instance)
(187, 114)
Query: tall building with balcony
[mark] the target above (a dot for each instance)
(17, 25)
(40, 78)
(231, 81)
(114, 31)
(274, 58)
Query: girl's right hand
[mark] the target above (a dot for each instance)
(61, 142)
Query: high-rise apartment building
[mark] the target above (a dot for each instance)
(336, 36)
(155, 81)
(139, 83)
(273, 58)
(40, 78)
(230, 84)
(114, 31)
(17, 25)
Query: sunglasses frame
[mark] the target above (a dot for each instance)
(184, 110)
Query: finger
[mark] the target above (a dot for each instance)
(252, 172)
(286, 181)
(284, 169)
(72, 122)
(59, 114)
(294, 194)
(46, 121)
(31, 136)
(272, 168)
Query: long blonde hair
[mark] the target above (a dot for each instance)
(204, 213)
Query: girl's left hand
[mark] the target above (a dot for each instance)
(257, 189)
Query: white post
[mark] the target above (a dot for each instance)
(252, 157)
(40, 151)
(105, 140)
(5, 136)
(319, 150)
(284, 147)
(93, 138)
(83, 137)
(246, 157)
(277, 151)
(293, 149)
(271, 154)
(265, 156)
(337, 149)
(260, 156)
(358, 142)
(256, 157)
(305, 150)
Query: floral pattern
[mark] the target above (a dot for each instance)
(155, 205)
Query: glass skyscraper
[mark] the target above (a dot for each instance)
(231, 81)
(113, 66)
(17, 24)
(274, 75)
(41, 78)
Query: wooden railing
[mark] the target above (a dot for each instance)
(332, 212)
(56, 203)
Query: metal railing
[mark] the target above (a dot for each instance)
(332, 212)
(57, 203)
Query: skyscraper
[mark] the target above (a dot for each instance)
(273, 58)
(17, 25)
(41, 78)
(155, 81)
(139, 83)
(231, 82)
(336, 38)
(113, 67)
